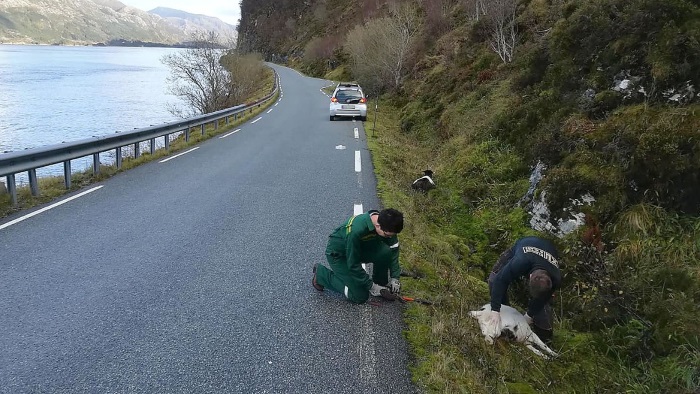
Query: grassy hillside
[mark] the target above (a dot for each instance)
(602, 92)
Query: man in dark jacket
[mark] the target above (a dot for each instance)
(366, 238)
(537, 260)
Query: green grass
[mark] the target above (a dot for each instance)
(455, 232)
(338, 74)
(51, 188)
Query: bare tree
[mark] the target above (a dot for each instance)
(437, 13)
(475, 8)
(379, 49)
(246, 72)
(501, 17)
(198, 78)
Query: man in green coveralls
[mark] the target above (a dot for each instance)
(366, 238)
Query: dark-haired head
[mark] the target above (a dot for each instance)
(390, 220)
(540, 283)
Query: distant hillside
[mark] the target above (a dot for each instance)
(191, 23)
(80, 22)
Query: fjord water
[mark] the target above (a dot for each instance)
(52, 94)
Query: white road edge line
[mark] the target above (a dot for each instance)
(269, 110)
(231, 133)
(357, 133)
(358, 166)
(178, 155)
(10, 223)
(357, 209)
(256, 120)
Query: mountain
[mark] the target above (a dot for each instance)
(81, 22)
(192, 23)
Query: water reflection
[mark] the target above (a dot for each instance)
(54, 94)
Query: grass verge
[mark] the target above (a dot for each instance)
(455, 232)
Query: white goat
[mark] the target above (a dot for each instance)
(513, 327)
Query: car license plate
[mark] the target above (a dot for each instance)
(348, 107)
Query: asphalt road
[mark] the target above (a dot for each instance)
(193, 275)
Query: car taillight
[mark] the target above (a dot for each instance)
(363, 100)
(334, 100)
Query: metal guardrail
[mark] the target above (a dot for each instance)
(29, 160)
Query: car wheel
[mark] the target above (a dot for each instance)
(332, 118)
(363, 118)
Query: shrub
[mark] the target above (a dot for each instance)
(658, 151)
(657, 41)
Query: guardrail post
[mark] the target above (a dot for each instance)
(119, 157)
(187, 135)
(153, 145)
(167, 141)
(12, 188)
(216, 124)
(95, 163)
(137, 150)
(203, 125)
(67, 174)
(227, 120)
(33, 184)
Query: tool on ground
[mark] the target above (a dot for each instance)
(387, 295)
(418, 300)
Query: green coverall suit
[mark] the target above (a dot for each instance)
(353, 243)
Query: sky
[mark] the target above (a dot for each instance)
(228, 11)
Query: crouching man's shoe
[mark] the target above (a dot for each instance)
(313, 281)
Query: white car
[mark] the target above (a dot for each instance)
(348, 100)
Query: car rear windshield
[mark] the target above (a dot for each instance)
(348, 96)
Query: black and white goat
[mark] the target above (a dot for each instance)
(425, 182)
(514, 327)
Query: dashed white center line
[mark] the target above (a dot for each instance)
(231, 133)
(10, 223)
(256, 120)
(277, 103)
(357, 133)
(357, 209)
(178, 155)
(269, 110)
(358, 166)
